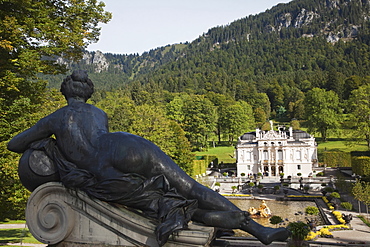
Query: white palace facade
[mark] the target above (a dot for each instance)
(274, 152)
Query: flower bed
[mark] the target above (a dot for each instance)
(236, 195)
(326, 232)
(339, 217)
(330, 206)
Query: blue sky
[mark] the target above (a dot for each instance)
(142, 25)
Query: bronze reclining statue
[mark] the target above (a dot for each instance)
(127, 169)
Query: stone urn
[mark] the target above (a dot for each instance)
(312, 223)
(347, 218)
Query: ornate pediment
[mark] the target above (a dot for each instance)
(272, 135)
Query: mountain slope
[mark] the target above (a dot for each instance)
(295, 45)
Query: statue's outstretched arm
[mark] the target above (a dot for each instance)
(21, 142)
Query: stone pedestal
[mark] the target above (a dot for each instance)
(61, 217)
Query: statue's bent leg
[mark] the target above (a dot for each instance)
(265, 234)
(241, 220)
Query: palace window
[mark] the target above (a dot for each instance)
(280, 154)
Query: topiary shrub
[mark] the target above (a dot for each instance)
(312, 210)
(346, 205)
(276, 220)
(335, 195)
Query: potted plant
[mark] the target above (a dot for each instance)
(251, 185)
(306, 188)
(276, 189)
(281, 175)
(299, 230)
(233, 188)
(217, 187)
(260, 187)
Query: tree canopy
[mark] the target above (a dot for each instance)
(322, 111)
(33, 34)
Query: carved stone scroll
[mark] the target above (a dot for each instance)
(61, 217)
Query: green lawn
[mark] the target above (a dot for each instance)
(341, 146)
(17, 236)
(21, 235)
(13, 222)
(225, 154)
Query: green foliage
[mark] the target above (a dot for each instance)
(322, 111)
(335, 195)
(346, 205)
(364, 220)
(275, 219)
(361, 191)
(337, 159)
(211, 158)
(17, 236)
(13, 196)
(312, 210)
(295, 124)
(328, 189)
(299, 230)
(30, 31)
(361, 165)
(359, 102)
(199, 167)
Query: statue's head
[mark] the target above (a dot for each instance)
(77, 85)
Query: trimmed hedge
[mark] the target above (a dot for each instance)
(201, 163)
(337, 159)
(361, 165)
(199, 167)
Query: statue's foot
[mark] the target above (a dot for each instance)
(265, 234)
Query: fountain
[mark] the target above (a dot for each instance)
(263, 210)
(289, 211)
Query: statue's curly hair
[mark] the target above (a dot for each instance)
(77, 85)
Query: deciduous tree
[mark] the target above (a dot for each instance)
(359, 116)
(322, 111)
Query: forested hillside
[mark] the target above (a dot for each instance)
(271, 61)
(307, 62)
(282, 52)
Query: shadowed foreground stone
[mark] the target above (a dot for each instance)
(62, 217)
